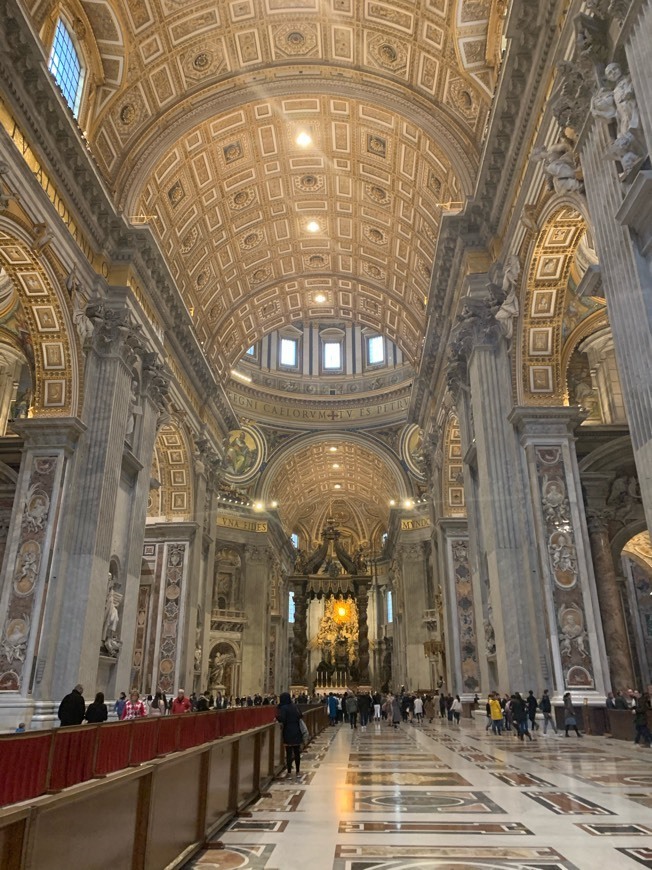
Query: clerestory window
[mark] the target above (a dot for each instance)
(66, 67)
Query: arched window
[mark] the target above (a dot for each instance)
(66, 66)
(390, 606)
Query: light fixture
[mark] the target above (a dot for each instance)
(320, 298)
(304, 139)
(341, 611)
(408, 503)
(333, 449)
(274, 504)
(392, 502)
(259, 506)
(336, 465)
(313, 227)
(338, 486)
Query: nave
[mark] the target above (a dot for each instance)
(447, 797)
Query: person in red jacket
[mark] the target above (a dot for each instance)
(134, 708)
(181, 704)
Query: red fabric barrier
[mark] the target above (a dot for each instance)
(33, 764)
(187, 729)
(168, 734)
(144, 739)
(72, 756)
(24, 762)
(112, 748)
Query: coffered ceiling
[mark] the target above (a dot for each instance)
(318, 473)
(195, 123)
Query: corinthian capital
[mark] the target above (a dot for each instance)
(115, 332)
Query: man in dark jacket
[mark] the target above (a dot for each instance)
(532, 705)
(73, 707)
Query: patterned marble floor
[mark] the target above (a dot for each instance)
(450, 798)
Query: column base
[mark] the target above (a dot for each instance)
(37, 715)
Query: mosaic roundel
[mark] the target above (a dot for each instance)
(244, 454)
(411, 447)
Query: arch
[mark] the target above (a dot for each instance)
(302, 479)
(51, 351)
(174, 500)
(551, 311)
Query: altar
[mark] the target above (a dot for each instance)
(330, 641)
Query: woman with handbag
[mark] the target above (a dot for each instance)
(291, 719)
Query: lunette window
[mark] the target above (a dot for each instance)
(65, 65)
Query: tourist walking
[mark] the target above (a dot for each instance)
(332, 708)
(496, 714)
(364, 708)
(73, 707)
(643, 734)
(396, 711)
(97, 712)
(532, 705)
(456, 709)
(545, 706)
(377, 703)
(134, 708)
(289, 715)
(418, 710)
(570, 720)
(519, 716)
(352, 710)
(429, 708)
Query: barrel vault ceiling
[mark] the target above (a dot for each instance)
(198, 115)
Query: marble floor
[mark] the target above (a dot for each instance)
(446, 797)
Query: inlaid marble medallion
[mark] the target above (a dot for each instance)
(381, 777)
(440, 828)
(424, 801)
(448, 857)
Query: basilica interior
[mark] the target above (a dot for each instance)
(325, 347)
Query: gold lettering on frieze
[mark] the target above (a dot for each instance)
(20, 141)
(319, 415)
(242, 525)
(410, 525)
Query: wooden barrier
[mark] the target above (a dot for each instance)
(39, 762)
(147, 817)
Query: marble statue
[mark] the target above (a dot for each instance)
(111, 618)
(83, 324)
(134, 410)
(509, 310)
(218, 666)
(571, 623)
(624, 99)
(559, 165)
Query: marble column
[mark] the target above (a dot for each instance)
(570, 612)
(106, 511)
(209, 538)
(30, 576)
(479, 357)
(414, 604)
(362, 601)
(614, 622)
(300, 634)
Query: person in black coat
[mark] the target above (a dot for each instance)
(97, 711)
(73, 707)
(289, 716)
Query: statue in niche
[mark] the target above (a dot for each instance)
(300, 562)
(559, 165)
(218, 666)
(134, 411)
(83, 323)
(489, 634)
(110, 642)
(360, 561)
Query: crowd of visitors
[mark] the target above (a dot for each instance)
(514, 713)
(73, 709)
